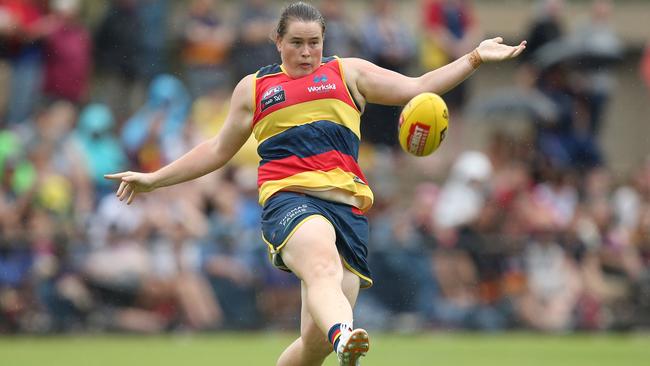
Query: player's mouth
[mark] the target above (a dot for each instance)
(305, 65)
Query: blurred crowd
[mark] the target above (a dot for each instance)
(534, 232)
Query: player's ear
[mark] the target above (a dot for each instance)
(278, 41)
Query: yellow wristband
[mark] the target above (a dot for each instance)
(474, 59)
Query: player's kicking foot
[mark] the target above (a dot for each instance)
(352, 346)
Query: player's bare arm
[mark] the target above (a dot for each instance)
(381, 86)
(206, 157)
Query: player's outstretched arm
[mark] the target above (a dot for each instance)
(381, 86)
(206, 157)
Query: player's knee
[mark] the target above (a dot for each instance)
(326, 269)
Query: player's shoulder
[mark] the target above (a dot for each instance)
(243, 90)
(268, 70)
(354, 66)
(246, 83)
(328, 59)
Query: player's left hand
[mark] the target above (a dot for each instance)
(492, 50)
(132, 183)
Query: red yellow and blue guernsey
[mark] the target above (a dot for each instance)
(308, 130)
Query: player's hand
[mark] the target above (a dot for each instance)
(132, 183)
(492, 50)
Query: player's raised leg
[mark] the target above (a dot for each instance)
(312, 255)
(312, 347)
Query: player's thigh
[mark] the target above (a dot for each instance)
(311, 250)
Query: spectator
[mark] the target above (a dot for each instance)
(68, 49)
(229, 258)
(60, 291)
(401, 291)
(546, 26)
(153, 39)
(645, 66)
(450, 30)
(63, 183)
(118, 275)
(100, 145)
(17, 174)
(253, 47)
(150, 135)
(463, 195)
(340, 39)
(175, 252)
(567, 142)
(25, 55)
(597, 82)
(553, 285)
(116, 58)
(387, 43)
(16, 261)
(207, 42)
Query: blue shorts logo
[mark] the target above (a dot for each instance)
(292, 214)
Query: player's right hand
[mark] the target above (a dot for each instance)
(132, 183)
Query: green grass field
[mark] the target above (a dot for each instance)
(263, 348)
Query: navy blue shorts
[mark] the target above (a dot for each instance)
(285, 212)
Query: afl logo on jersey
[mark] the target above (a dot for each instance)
(272, 96)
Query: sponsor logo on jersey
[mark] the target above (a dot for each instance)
(322, 78)
(322, 88)
(272, 96)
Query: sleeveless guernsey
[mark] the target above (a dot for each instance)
(308, 131)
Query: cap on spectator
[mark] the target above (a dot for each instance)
(472, 166)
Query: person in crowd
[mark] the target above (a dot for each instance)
(386, 42)
(153, 40)
(151, 135)
(547, 25)
(116, 49)
(450, 31)
(207, 42)
(252, 48)
(101, 147)
(341, 38)
(20, 35)
(68, 53)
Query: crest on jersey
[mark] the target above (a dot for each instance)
(272, 96)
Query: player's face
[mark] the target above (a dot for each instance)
(301, 48)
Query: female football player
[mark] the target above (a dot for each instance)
(305, 116)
